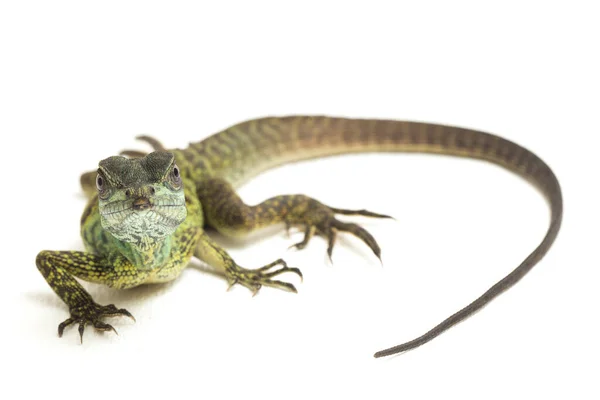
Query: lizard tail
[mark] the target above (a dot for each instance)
(246, 149)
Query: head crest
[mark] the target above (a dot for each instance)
(121, 171)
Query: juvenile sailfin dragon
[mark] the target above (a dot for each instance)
(146, 214)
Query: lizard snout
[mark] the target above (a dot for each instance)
(141, 203)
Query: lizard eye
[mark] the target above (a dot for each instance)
(99, 182)
(176, 175)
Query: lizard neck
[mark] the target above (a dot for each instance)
(148, 253)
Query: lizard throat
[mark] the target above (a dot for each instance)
(146, 255)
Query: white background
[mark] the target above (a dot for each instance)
(79, 80)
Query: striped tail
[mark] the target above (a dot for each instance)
(244, 150)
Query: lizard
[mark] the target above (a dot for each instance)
(147, 212)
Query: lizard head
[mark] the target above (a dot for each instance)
(141, 200)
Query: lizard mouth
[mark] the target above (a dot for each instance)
(141, 203)
(143, 218)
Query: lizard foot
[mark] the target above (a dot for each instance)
(254, 279)
(91, 313)
(320, 219)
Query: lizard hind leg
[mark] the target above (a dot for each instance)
(154, 143)
(321, 219)
(226, 212)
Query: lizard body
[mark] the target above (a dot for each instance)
(136, 229)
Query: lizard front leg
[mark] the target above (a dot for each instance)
(226, 212)
(212, 254)
(59, 269)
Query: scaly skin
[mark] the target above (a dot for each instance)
(211, 169)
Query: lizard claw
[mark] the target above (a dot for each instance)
(308, 234)
(63, 325)
(321, 219)
(255, 279)
(112, 311)
(102, 326)
(92, 313)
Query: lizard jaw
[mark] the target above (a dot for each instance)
(144, 222)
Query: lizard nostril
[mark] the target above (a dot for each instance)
(152, 191)
(128, 193)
